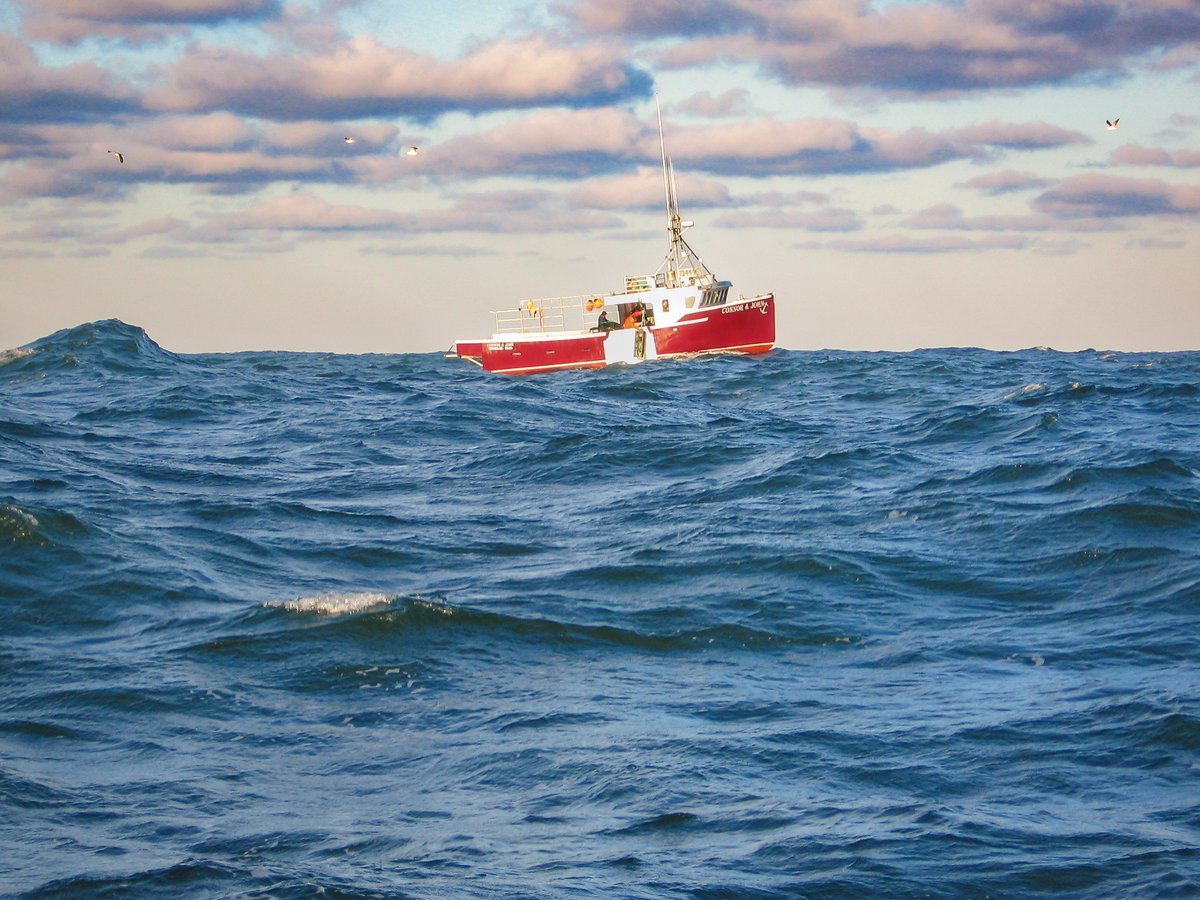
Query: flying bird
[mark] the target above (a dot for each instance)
(1112, 126)
(118, 154)
(411, 151)
(349, 140)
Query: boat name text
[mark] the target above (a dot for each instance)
(760, 305)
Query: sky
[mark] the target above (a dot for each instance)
(902, 174)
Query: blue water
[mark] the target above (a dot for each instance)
(810, 624)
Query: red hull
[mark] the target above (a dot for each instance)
(745, 326)
(471, 349)
(527, 357)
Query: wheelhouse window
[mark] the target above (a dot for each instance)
(714, 296)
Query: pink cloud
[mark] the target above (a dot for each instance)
(43, 179)
(1107, 196)
(898, 243)
(948, 217)
(643, 189)
(555, 142)
(30, 92)
(735, 102)
(821, 220)
(784, 199)
(928, 48)
(1005, 182)
(304, 212)
(1022, 136)
(213, 131)
(149, 228)
(1136, 155)
(70, 21)
(361, 77)
(574, 143)
(216, 152)
(534, 212)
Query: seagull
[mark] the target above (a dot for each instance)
(349, 140)
(119, 155)
(411, 151)
(1112, 126)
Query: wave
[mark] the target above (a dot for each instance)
(356, 616)
(332, 603)
(38, 526)
(565, 630)
(16, 524)
(18, 353)
(110, 345)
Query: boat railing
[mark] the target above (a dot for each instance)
(575, 312)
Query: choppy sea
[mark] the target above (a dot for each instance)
(827, 624)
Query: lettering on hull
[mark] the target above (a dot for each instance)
(761, 305)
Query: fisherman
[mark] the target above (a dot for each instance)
(603, 324)
(634, 319)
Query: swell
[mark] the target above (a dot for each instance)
(420, 621)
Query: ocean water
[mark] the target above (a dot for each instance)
(822, 624)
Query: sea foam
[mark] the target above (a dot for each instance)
(332, 603)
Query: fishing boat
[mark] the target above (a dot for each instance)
(680, 310)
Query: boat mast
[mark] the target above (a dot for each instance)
(683, 266)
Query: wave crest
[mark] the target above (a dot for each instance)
(16, 524)
(333, 603)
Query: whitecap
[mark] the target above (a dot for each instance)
(332, 603)
(17, 522)
(8, 356)
(1028, 389)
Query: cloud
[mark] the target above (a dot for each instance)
(1019, 136)
(657, 18)
(643, 190)
(214, 131)
(558, 143)
(1106, 196)
(577, 143)
(304, 212)
(1159, 243)
(515, 212)
(1136, 155)
(503, 212)
(1006, 182)
(225, 153)
(71, 21)
(947, 216)
(360, 77)
(80, 92)
(927, 48)
(214, 152)
(46, 179)
(820, 221)
(898, 243)
(49, 235)
(151, 227)
(783, 199)
(768, 146)
(735, 102)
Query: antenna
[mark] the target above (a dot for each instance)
(682, 265)
(662, 149)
